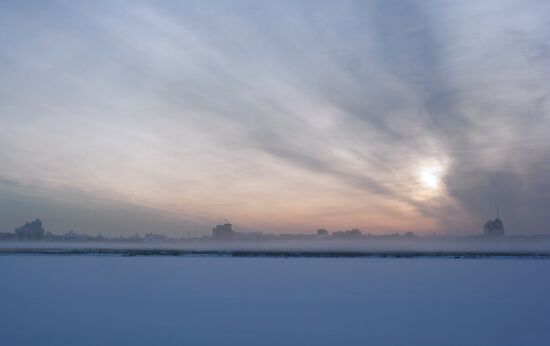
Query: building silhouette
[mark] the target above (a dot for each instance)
(322, 233)
(30, 231)
(354, 233)
(494, 227)
(223, 232)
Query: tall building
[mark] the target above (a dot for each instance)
(223, 232)
(30, 231)
(494, 227)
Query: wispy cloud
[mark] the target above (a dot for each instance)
(284, 115)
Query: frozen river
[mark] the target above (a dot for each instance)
(113, 300)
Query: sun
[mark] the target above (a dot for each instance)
(430, 177)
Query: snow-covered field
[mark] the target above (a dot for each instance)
(112, 300)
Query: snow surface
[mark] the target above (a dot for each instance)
(112, 300)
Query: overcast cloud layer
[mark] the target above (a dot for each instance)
(136, 116)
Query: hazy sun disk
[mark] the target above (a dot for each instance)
(430, 177)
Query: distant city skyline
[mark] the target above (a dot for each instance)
(35, 231)
(284, 116)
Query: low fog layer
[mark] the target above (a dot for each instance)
(478, 245)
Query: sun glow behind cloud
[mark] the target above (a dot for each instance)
(431, 177)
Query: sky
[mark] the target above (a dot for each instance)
(123, 117)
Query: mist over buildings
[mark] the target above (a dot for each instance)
(130, 117)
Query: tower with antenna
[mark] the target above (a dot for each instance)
(494, 228)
